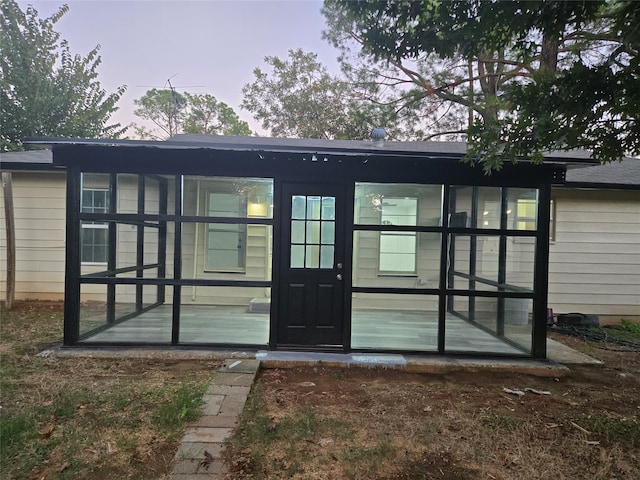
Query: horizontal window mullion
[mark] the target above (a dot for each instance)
(408, 291)
(396, 228)
(228, 220)
(173, 282)
(488, 294)
(492, 231)
(118, 271)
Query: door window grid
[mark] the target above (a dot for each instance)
(312, 232)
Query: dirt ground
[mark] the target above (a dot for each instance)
(359, 423)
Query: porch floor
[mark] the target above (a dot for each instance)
(371, 329)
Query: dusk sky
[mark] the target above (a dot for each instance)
(208, 46)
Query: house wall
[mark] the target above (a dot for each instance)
(39, 214)
(594, 261)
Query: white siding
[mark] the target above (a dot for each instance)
(594, 262)
(39, 212)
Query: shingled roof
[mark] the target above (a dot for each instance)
(27, 160)
(624, 174)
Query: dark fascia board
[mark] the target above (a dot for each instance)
(346, 148)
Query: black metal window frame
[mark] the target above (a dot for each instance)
(407, 169)
(445, 290)
(110, 276)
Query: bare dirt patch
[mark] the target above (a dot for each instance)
(356, 423)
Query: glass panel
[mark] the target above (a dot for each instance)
(232, 196)
(426, 270)
(313, 232)
(483, 214)
(522, 211)
(328, 208)
(225, 315)
(297, 231)
(394, 321)
(297, 256)
(326, 257)
(399, 211)
(227, 251)
(328, 233)
(483, 273)
(473, 325)
(476, 256)
(93, 307)
(298, 207)
(398, 204)
(226, 247)
(151, 195)
(489, 207)
(152, 326)
(520, 265)
(313, 208)
(127, 186)
(518, 325)
(312, 258)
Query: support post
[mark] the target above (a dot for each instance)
(7, 187)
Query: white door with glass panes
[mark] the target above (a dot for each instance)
(226, 242)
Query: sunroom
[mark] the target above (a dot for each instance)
(281, 244)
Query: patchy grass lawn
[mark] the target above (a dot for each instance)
(319, 423)
(80, 418)
(88, 418)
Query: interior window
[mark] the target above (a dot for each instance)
(94, 236)
(398, 249)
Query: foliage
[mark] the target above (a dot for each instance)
(45, 89)
(181, 408)
(209, 116)
(173, 112)
(299, 98)
(629, 326)
(534, 75)
(164, 108)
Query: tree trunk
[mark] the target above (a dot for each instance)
(549, 52)
(7, 188)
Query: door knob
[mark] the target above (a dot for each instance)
(339, 276)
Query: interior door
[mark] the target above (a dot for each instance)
(311, 283)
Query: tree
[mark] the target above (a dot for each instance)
(173, 112)
(164, 108)
(510, 55)
(299, 98)
(45, 90)
(209, 116)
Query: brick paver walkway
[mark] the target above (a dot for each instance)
(199, 454)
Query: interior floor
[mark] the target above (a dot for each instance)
(371, 329)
